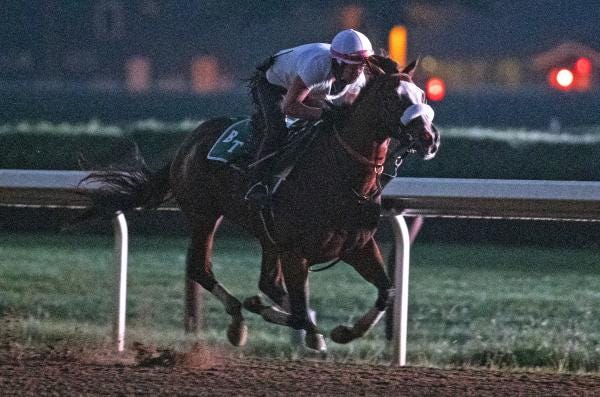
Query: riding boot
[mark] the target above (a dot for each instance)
(261, 176)
(262, 182)
(267, 97)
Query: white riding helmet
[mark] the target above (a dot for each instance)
(351, 46)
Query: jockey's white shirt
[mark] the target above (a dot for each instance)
(312, 63)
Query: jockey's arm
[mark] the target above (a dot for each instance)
(294, 105)
(354, 89)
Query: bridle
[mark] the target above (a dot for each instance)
(377, 167)
(416, 108)
(410, 113)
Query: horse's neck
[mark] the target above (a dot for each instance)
(362, 138)
(361, 135)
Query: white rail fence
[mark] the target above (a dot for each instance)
(429, 197)
(56, 189)
(478, 199)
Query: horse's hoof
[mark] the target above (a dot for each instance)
(237, 333)
(342, 334)
(315, 342)
(254, 304)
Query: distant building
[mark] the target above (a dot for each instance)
(208, 45)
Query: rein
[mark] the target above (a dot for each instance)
(376, 167)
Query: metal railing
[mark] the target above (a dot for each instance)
(477, 199)
(428, 197)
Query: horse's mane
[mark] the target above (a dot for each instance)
(383, 71)
(382, 64)
(376, 84)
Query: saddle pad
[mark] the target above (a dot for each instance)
(234, 143)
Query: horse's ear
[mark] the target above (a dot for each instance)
(373, 65)
(410, 68)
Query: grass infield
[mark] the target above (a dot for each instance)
(475, 305)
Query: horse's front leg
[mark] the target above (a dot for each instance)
(270, 282)
(368, 262)
(295, 271)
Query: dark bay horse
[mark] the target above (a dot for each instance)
(327, 209)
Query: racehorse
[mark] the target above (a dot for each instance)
(327, 209)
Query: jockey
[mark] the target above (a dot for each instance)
(297, 82)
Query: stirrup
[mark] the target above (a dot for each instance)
(259, 197)
(258, 193)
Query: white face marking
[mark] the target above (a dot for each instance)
(410, 90)
(417, 98)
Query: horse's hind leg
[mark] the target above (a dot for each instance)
(368, 262)
(199, 269)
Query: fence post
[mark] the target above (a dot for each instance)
(121, 253)
(402, 239)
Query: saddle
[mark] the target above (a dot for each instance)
(237, 145)
(236, 148)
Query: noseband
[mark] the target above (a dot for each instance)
(416, 110)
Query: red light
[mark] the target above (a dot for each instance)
(583, 74)
(583, 66)
(435, 89)
(564, 78)
(561, 79)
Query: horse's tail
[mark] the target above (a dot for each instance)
(112, 190)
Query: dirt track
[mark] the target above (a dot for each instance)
(207, 373)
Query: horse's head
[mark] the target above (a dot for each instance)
(398, 109)
(416, 128)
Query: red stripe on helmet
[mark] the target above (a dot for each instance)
(357, 57)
